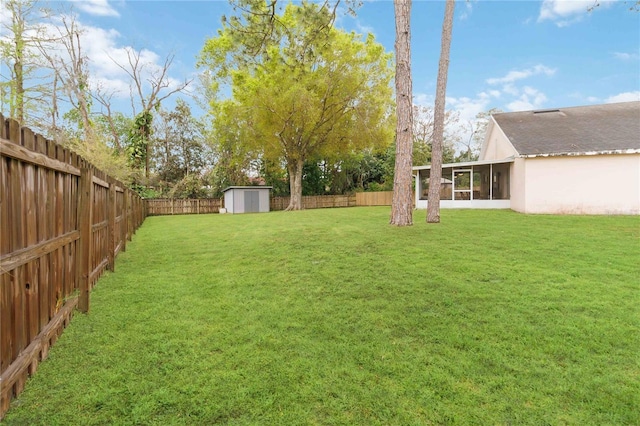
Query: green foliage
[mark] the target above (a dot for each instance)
(190, 186)
(115, 130)
(97, 151)
(330, 317)
(276, 176)
(314, 178)
(146, 192)
(138, 141)
(179, 147)
(227, 141)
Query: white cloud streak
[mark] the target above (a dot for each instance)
(624, 97)
(96, 7)
(624, 56)
(566, 12)
(529, 99)
(516, 75)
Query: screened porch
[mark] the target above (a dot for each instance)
(476, 184)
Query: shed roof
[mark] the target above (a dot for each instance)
(247, 187)
(594, 129)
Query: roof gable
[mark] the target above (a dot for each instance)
(607, 128)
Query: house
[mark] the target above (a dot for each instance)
(577, 160)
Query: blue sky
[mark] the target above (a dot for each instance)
(512, 55)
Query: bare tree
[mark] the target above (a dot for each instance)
(69, 63)
(423, 134)
(402, 202)
(160, 89)
(104, 98)
(157, 79)
(433, 205)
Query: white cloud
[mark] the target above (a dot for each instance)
(623, 56)
(566, 12)
(516, 75)
(96, 7)
(468, 108)
(467, 12)
(511, 89)
(593, 99)
(537, 97)
(624, 97)
(423, 99)
(520, 105)
(365, 29)
(529, 99)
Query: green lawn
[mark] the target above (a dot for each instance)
(334, 317)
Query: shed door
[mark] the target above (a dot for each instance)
(251, 201)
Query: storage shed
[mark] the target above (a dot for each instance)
(247, 199)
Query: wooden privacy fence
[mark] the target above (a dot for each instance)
(167, 206)
(315, 201)
(382, 198)
(62, 222)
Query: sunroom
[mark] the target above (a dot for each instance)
(473, 184)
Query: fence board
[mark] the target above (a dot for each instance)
(382, 198)
(40, 214)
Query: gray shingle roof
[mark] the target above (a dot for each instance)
(585, 129)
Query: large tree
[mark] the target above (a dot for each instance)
(304, 88)
(433, 206)
(402, 202)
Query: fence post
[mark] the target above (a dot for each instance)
(111, 233)
(85, 216)
(124, 227)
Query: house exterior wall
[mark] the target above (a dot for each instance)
(518, 185)
(496, 145)
(595, 184)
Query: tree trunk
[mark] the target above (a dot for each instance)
(402, 202)
(433, 205)
(295, 184)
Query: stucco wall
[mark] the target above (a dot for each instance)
(598, 184)
(496, 145)
(518, 187)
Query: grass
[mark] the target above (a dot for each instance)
(334, 317)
